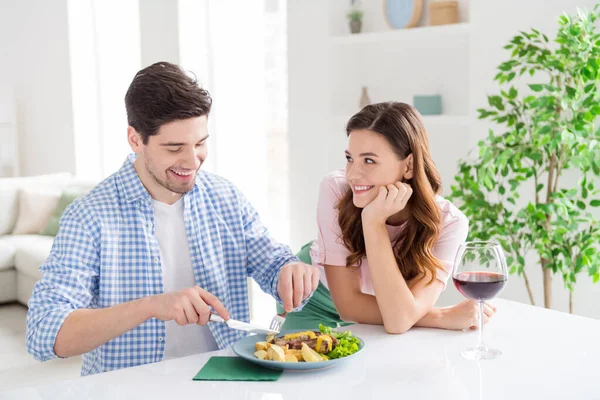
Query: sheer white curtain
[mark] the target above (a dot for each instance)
(104, 44)
(237, 49)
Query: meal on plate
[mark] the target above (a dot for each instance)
(307, 346)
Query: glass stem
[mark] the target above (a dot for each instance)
(480, 322)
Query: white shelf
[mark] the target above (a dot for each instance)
(438, 32)
(428, 120)
(446, 120)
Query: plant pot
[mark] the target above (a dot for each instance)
(355, 26)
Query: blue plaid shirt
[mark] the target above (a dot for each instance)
(106, 253)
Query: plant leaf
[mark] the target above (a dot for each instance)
(536, 87)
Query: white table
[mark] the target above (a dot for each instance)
(547, 355)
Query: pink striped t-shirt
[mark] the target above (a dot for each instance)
(329, 249)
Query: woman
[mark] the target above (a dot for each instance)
(386, 240)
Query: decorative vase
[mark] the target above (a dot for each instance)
(355, 25)
(364, 98)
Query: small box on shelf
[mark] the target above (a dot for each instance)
(443, 12)
(428, 104)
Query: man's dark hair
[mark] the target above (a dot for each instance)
(162, 93)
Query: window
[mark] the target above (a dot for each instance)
(104, 39)
(240, 57)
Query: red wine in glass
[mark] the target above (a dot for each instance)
(479, 285)
(479, 274)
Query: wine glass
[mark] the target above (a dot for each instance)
(480, 273)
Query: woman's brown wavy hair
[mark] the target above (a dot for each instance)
(401, 125)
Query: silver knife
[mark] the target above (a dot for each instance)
(242, 326)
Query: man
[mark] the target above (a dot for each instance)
(141, 261)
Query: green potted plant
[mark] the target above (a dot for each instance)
(355, 16)
(548, 152)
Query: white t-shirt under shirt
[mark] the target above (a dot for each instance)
(178, 274)
(329, 249)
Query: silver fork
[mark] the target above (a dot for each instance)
(277, 322)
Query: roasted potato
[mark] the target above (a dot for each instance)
(309, 355)
(261, 354)
(295, 353)
(260, 346)
(275, 353)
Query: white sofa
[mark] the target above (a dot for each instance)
(22, 253)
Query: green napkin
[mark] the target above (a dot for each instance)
(235, 369)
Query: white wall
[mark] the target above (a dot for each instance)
(313, 146)
(316, 143)
(159, 31)
(34, 50)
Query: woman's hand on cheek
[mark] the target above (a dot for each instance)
(391, 199)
